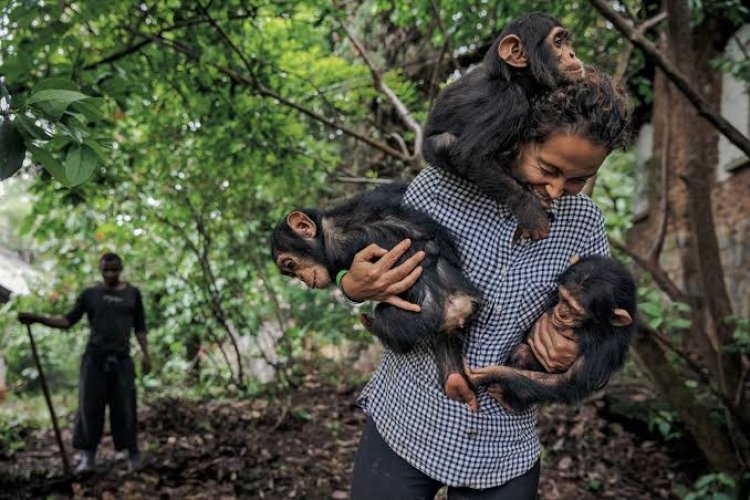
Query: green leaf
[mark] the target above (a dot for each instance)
(53, 103)
(96, 148)
(90, 108)
(12, 149)
(80, 164)
(55, 83)
(652, 309)
(28, 128)
(50, 164)
(681, 323)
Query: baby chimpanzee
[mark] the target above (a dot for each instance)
(597, 300)
(314, 245)
(475, 126)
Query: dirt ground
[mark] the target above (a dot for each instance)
(302, 445)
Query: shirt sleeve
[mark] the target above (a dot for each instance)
(75, 314)
(139, 317)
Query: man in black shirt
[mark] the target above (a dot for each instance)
(114, 308)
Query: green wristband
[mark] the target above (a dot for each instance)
(340, 276)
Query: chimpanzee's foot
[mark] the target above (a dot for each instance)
(458, 389)
(484, 374)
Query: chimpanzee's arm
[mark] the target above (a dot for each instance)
(538, 387)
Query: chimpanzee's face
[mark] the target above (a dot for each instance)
(560, 45)
(311, 273)
(568, 312)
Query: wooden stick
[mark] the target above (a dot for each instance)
(38, 363)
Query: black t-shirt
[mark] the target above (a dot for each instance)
(112, 314)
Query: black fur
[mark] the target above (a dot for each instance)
(601, 284)
(476, 123)
(378, 216)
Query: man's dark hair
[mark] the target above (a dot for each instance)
(596, 108)
(111, 257)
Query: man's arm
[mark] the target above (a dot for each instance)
(62, 322)
(554, 346)
(28, 318)
(139, 323)
(373, 277)
(143, 342)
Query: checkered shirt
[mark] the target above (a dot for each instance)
(437, 435)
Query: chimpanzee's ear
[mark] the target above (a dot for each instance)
(301, 224)
(511, 51)
(620, 317)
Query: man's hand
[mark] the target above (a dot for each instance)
(27, 318)
(146, 364)
(554, 346)
(372, 276)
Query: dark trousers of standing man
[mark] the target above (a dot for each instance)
(107, 379)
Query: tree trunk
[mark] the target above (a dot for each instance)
(713, 442)
(694, 152)
(691, 255)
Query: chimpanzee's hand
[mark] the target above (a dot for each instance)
(27, 318)
(533, 221)
(373, 277)
(553, 345)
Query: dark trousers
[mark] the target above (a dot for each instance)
(380, 473)
(106, 379)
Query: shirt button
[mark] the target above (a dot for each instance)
(498, 309)
(471, 432)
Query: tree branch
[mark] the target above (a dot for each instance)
(266, 92)
(657, 273)
(661, 233)
(226, 39)
(675, 76)
(363, 180)
(383, 87)
(624, 59)
(446, 39)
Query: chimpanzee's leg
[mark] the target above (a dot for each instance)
(448, 349)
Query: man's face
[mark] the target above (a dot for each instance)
(560, 165)
(110, 272)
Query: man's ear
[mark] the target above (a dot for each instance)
(511, 51)
(620, 317)
(302, 225)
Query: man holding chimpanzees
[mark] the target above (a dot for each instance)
(490, 227)
(416, 439)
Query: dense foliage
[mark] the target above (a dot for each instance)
(176, 133)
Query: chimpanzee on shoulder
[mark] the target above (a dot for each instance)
(475, 126)
(314, 245)
(597, 299)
